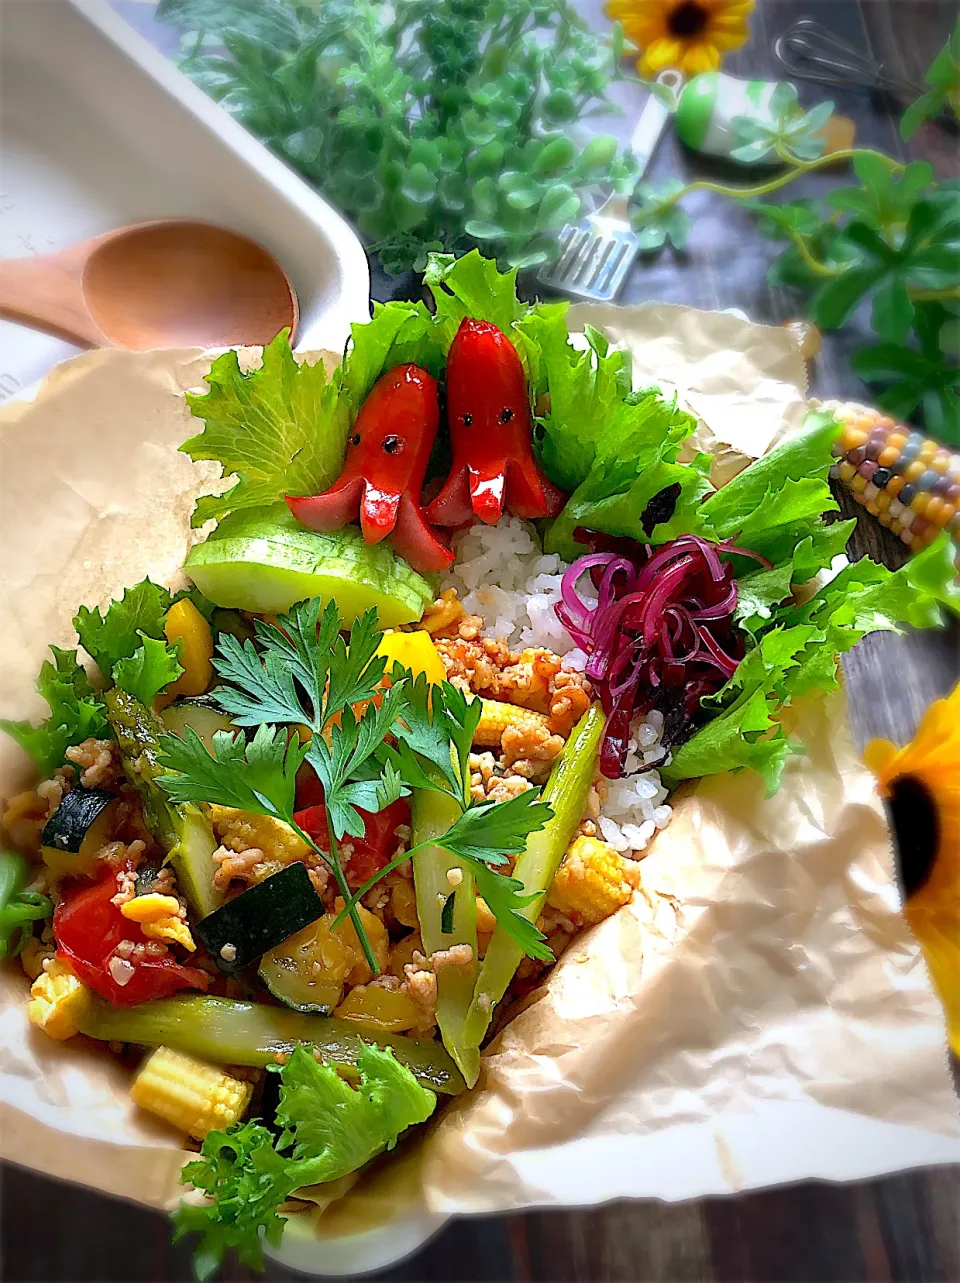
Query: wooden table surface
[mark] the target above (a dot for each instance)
(904, 1227)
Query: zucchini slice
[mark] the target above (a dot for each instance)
(75, 832)
(258, 919)
(193, 862)
(199, 714)
(290, 974)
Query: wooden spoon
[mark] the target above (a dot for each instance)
(172, 283)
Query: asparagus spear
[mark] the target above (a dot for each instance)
(184, 832)
(434, 813)
(566, 792)
(251, 1033)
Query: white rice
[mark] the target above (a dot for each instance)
(502, 574)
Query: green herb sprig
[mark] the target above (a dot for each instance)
(300, 672)
(891, 239)
(436, 125)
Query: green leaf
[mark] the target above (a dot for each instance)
(330, 1129)
(585, 387)
(757, 594)
(19, 909)
(335, 1128)
(560, 205)
(397, 332)
(111, 637)
(892, 315)
(151, 668)
(77, 713)
(769, 492)
(836, 299)
(867, 597)
(471, 286)
(434, 736)
(259, 776)
(280, 429)
(634, 459)
(493, 830)
(246, 1181)
(746, 736)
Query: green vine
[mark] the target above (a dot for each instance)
(892, 239)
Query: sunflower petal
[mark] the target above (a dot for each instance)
(878, 757)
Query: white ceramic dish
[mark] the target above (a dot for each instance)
(99, 129)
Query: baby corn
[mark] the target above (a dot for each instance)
(190, 1094)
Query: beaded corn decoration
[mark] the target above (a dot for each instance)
(910, 483)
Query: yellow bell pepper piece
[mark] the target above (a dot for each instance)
(415, 651)
(185, 624)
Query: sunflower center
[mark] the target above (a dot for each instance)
(687, 20)
(913, 813)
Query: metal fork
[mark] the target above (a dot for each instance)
(597, 253)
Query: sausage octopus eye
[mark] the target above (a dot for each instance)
(506, 414)
(392, 445)
(355, 439)
(468, 420)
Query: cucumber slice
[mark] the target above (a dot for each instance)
(263, 560)
(200, 714)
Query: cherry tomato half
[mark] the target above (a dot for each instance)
(88, 927)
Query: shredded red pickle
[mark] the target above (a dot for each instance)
(660, 634)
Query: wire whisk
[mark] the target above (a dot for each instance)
(811, 51)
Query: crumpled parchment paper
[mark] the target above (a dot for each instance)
(758, 1015)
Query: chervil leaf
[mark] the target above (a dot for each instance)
(355, 670)
(114, 636)
(150, 668)
(258, 776)
(390, 788)
(505, 897)
(77, 713)
(290, 662)
(340, 764)
(435, 735)
(493, 830)
(280, 429)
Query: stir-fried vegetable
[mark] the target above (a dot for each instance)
(566, 793)
(224, 1031)
(443, 879)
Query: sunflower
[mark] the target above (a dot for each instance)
(690, 35)
(921, 783)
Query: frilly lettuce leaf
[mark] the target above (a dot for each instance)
(471, 286)
(797, 653)
(586, 387)
(634, 460)
(77, 712)
(110, 637)
(151, 667)
(279, 429)
(329, 1130)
